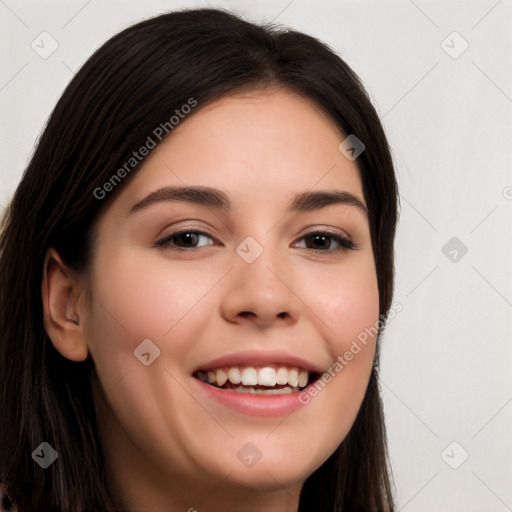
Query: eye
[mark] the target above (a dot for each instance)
(185, 239)
(319, 241)
(325, 241)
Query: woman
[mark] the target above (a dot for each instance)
(205, 235)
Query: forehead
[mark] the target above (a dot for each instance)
(259, 145)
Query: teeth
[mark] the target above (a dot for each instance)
(282, 391)
(267, 377)
(282, 376)
(293, 377)
(248, 377)
(234, 376)
(279, 391)
(221, 377)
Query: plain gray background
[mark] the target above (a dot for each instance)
(447, 110)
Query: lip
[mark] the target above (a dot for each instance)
(259, 358)
(248, 403)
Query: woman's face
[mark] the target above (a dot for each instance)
(277, 283)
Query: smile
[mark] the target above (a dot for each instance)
(275, 380)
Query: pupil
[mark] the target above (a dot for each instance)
(321, 240)
(189, 238)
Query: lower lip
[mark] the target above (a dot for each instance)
(252, 404)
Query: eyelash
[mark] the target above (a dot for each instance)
(344, 242)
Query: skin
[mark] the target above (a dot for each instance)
(166, 448)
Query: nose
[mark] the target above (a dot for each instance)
(260, 293)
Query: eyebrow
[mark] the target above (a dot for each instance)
(215, 198)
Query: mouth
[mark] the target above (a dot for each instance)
(264, 380)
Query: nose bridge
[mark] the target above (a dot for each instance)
(257, 264)
(258, 284)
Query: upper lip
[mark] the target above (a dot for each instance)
(259, 358)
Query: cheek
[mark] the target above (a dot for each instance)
(138, 297)
(348, 304)
(349, 310)
(147, 296)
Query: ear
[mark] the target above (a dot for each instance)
(64, 314)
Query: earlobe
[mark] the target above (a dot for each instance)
(62, 309)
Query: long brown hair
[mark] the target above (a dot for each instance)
(131, 85)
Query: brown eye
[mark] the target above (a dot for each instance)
(326, 242)
(184, 240)
(318, 242)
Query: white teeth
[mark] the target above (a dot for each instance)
(249, 377)
(221, 377)
(282, 391)
(267, 377)
(234, 376)
(293, 377)
(282, 376)
(303, 378)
